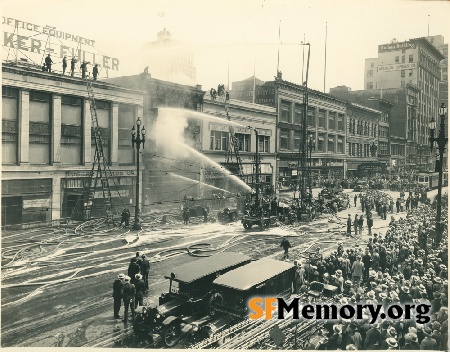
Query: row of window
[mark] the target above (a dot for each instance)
(335, 120)
(324, 143)
(40, 128)
(220, 140)
(361, 150)
(362, 128)
(411, 59)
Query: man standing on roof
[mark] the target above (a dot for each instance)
(72, 66)
(95, 72)
(64, 64)
(48, 63)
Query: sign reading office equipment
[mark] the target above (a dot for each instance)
(30, 41)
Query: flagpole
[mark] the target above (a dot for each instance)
(254, 81)
(303, 63)
(279, 36)
(325, 68)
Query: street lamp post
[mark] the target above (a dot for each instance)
(311, 147)
(257, 166)
(301, 163)
(441, 141)
(136, 140)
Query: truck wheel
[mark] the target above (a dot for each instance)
(172, 335)
(247, 226)
(234, 217)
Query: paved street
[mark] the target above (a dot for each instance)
(57, 286)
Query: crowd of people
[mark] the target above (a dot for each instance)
(395, 268)
(131, 288)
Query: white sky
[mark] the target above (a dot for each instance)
(240, 32)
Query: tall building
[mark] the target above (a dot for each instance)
(411, 62)
(438, 42)
(48, 149)
(169, 60)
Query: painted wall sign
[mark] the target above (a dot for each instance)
(31, 41)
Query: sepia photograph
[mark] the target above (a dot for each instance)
(249, 175)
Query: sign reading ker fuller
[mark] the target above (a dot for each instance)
(32, 41)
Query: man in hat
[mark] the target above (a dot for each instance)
(299, 278)
(118, 294)
(357, 270)
(349, 225)
(83, 68)
(335, 340)
(339, 280)
(48, 63)
(145, 269)
(373, 336)
(367, 261)
(139, 291)
(286, 245)
(133, 269)
(391, 344)
(64, 64)
(428, 343)
(129, 292)
(411, 342)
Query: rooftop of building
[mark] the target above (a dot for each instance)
(25, 68)
(241, 104)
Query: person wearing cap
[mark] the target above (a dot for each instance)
(118, 294)
(64, 64)
(145, 269)
(428, 343)
(140, 289)
(129, 292)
